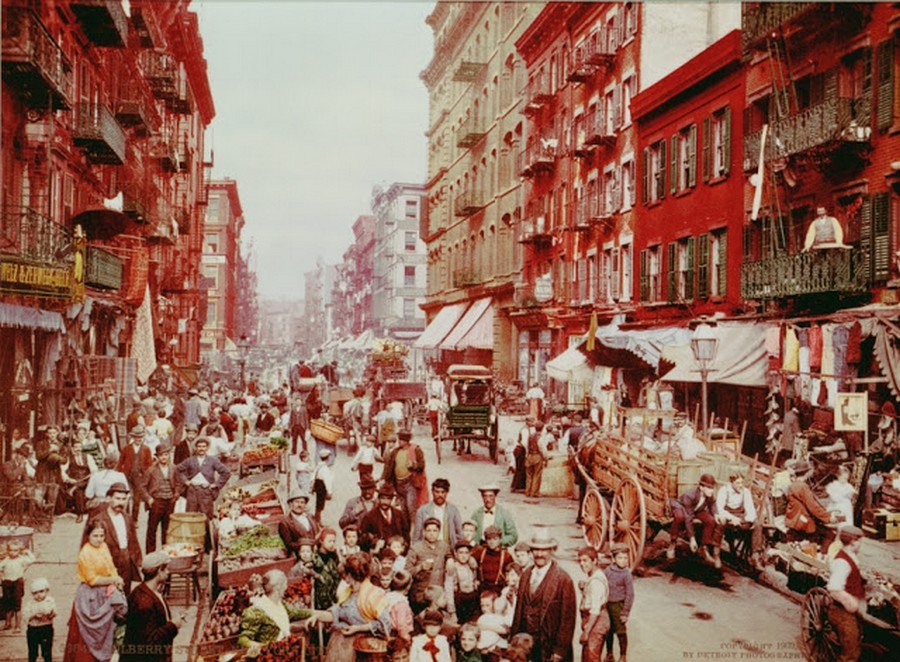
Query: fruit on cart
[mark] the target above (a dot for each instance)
(289, 648)
(225, 618)
(260, 453)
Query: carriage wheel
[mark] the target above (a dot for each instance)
(820, 641)
(628, 519)
(594, 518)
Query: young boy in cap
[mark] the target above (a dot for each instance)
(592, 605)
(621, 597)
(698, 503)
(492, 560)
(847, 590)
(461, 584)
(431, 645)
(39, 613)
(12, 572)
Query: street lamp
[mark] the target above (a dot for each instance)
(242, 346)
(705, 345)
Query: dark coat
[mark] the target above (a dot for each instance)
(374, 527)
(292, 532)
(693, 503)
(128, 560)
(148, 631)
(553, 607)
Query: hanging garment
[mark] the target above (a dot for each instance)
(815, 347)
(790, 360)
(854, 344)
(828, 349)
(839, 339)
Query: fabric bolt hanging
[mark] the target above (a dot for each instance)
(815, 346)
(839, 338)
(827, 349)
(790, 360)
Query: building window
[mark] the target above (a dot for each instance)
(631, 19)
(212, 208)
(717, 144)
(612, 34)
(629, 89)
(210, 277)
(412, 209)
(718, 251)
(625, 268)
(212, 242)
(410, 241)
(409, 309)
(211, 309)
(654, 172)
(409, 276)
(591, 278)
(609, 280)
(685, 269)
(650, 280)
(612, 200)
(684, 159)
(628, 187)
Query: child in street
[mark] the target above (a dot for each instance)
(621, 597)
(402, 622)
(327, 566)
(523, 555)
(469, 529)
(467, 644)
(398, 545)
(304, 472)
(594, 615)
(322, 483)
(431, 645)
(39, 614)
(351, 542)
(461, 584)
(505, 604)
(492, 626)
(303, 568)
(365, 458)
(12, 572)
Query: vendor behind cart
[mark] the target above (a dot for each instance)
(806, 516)
(845, 585)
(269, 618)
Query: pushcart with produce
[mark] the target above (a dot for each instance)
(630, 479)
(262, 454)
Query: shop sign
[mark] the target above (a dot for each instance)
(852, 412)
(37, 279)
(543, 289)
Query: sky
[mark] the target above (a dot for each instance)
(316, 103)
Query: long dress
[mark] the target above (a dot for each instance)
(368, 605)
(95, 610)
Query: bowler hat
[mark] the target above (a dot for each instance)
(162, 449)
(137, 431)
(707, 480)
(298, 494)
(386, 489)
(367, 483)
(118, 486)
(405, 435)
(540, 539)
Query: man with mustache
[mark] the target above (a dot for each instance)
(121, 534)
(380, 523)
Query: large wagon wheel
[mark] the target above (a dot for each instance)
(820, 642)
(594, 518)
(628, 519)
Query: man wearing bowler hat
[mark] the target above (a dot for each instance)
(446, 513)
(121, 534)
(545, 605)
(162, 489)
(358, 506)
(698, 503)
(297, 525)
(382, 522)
(135, 461)
(490, 514)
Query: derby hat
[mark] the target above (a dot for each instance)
(118, 486)
(298, 494)
(541, 539)
(137, 431)
(386, 489)
(367, 483)
(707, 480)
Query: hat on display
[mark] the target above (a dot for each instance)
(386, 489)
(707, 480)
(540, 539)
(490, 487)
(118, 486)
(154, 560)
(298, 494)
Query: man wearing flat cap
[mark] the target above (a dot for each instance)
(446, 513)
(162, 489)
(121, 534)
(404, 470)
(297, 524)
(490, 514)
(358, 506)
(546, 605)
(149, 627)
(382, 522)
(697, 503)
(847, 589)
(135, 461)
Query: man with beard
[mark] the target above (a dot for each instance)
(490, 514)
(185, 448)
(297, 526)
(446, 513)
(204, 477)
(162, 491)
(121, 534)
(382, 522)
(358, 506)
(545, 606)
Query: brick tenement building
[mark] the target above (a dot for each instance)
(103, 120)
(352, 296)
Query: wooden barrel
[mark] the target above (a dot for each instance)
(558, 479)
(187, 527)
(370, 649)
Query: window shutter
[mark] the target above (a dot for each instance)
(614, 281)
(673, 171)
(865, 237)
(692, 156)
(702, 266)
(645, 176)
(670, 269)
(707, 148)
(885, 78)
(881, 237)
(689, 271)
(661, 182)
(618, 117)
(726, 148)
(644, 277)
(865, 69)
(722, 276)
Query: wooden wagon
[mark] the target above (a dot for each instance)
(628, 487)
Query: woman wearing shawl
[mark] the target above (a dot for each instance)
(99, 602)
(363, 608)
(269, 618)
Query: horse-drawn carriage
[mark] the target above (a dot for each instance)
(472, 414)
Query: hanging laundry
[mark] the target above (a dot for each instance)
(827, 349)
(815, 347)
(839, 339)
(804, 377)
(790, 360)
(854, 344)
(773, 346)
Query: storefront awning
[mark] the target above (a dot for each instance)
(23, 317)
(440, 326)
(571, 365)
(741, 358)
(618, 348)
(364, 340)
(475, 329)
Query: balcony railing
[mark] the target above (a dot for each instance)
(597, 130)
(833, 122)
(167, 153)
(466, 278)
(103, 269)
(586, 211)
(26, 233)
(538, 93)
(471, 131)
(33, 63)
(161, 72)
(815, 272)
(590, 55)
(539, 156)
(104, 21)
(468, 71)
(183, 101)
(134, 202)
(536, 232)
(135, 109)
(99, 134)
(146, 26)
(470, 202)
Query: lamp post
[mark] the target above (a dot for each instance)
(242, 346)
(705, 345)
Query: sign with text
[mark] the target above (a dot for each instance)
(851, 412)
(21, 276)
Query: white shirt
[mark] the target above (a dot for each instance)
(537, 576)
(417, 652)
(728, 496)
(100, 482)
(118, 522)
(488, 519)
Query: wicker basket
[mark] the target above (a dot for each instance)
(324, 431)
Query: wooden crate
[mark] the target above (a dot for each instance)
(242, 575)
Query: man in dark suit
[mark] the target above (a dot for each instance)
(135, 461)
(383, 522)
(149, 628)
(121, 534)
(297, 525)
(357, 507)
(545, 607)
(698, 503)
(204, 476)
